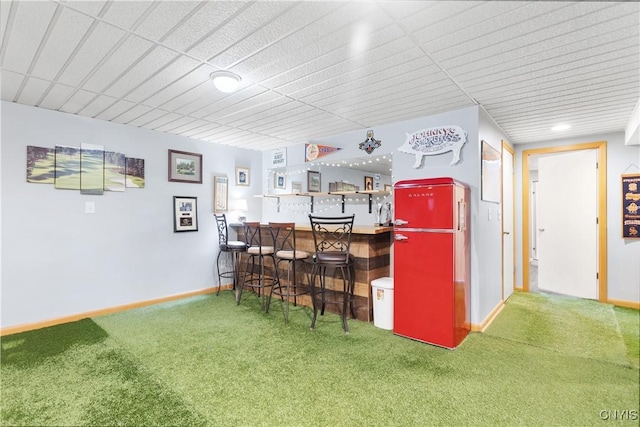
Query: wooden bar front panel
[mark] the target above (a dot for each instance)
(371, 250)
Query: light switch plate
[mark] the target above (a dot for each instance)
(90, 207)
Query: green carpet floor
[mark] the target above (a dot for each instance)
(574, 326)
(206, 361)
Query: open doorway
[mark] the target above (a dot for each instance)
(564, 220)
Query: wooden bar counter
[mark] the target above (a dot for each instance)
(371, 249)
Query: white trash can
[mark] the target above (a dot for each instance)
(382, 289)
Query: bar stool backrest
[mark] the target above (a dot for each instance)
(223, 234)
(283, 235)
(256, 242)
(284, 240)
(252, 235)
(332, 237)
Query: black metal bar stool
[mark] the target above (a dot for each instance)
(332, 240)
(257, 253)
(232, 247)
(284, 239)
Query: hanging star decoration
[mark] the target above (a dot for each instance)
(370, 143)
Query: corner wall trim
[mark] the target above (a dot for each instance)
(487, 320)
(101, 312)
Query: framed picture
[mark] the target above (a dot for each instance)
(185, 214)
(313, 181)
(185, 167)
(279, 181)
(242, 176)
(296, 187)
(368, 183)
(491, 174)
(220, 194)
(387, 187)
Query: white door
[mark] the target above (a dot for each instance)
(567, 223)
(508, 268)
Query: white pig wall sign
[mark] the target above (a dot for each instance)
(432, 141)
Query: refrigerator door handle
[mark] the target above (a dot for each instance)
(401, 222)
(400, 237)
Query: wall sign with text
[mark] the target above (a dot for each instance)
(631, 206)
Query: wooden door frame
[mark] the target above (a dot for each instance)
(507, 147)
(601, 147)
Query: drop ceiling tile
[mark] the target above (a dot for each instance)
(168, 122)
(173, 72)
(64, 38)
(354, 78)
(542, 27)
(192, 102)
(31, 22)
(289, 51)
(585, 42)
(254, 112)
(115, 110)
(124, 14)
(127, 54)
(346, 76)
(148, 117)
(10, 83)
(294, 19)
(253, 18)
(183, 89)
(399, 10)
(176, 124)
(97, 106)
(503, 20)
(133, 113)
(100, 41)
(32, 91)
(331, 50)
(144, 69)
(228, 103)
(56, 96)
(5, 9)
(439, 13)
(92, 7)
(201, 127)
(162, 20)
(242, 105)
(540, 75)
(198, 26)
(78, 101)
(186, 125)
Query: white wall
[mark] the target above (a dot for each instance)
(490, 229)
(58, 261)
(623, 279)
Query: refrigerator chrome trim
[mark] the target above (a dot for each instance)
(425, 230)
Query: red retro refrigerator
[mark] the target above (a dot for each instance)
(431, 261)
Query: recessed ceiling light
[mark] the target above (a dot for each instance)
(560, 128)
(225, 81)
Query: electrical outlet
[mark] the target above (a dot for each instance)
(90, 207)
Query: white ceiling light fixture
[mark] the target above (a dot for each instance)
(225, 81)
(560, 127)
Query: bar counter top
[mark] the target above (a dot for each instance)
(357, 229)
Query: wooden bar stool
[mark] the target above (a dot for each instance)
(232, 247)
(258, 251)
(284, 238)
(332, 240)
